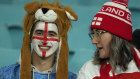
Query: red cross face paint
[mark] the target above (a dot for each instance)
(45, 39)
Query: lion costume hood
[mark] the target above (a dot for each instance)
(48, 12)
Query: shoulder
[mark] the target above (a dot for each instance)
(131, 73)
(89, 66)
(132, 67)
(10, 67)
(8, 70)
(72, 75)
(89, 70)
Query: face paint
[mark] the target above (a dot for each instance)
(45, 39)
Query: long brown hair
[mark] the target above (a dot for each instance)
(120, 54)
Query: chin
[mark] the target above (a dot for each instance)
(103, 57)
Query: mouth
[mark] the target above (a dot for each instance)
(99, 48)
(44, 48)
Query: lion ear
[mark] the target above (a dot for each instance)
(32, 7)
(70, 13)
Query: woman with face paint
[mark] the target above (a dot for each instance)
(115, 57)
(45, 28)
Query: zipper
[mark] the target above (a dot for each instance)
(49, 74)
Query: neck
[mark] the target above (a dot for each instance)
(42, 63)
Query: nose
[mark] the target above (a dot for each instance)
(94, 40)
(44, 10)
(44, 43)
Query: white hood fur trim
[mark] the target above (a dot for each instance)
(49, 16)
(58, 53)
(69, 16)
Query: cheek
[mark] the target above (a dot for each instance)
(106, 48)
(106, 43)
(55, 44)
(35, 42)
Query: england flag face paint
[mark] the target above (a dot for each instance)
(45, 39)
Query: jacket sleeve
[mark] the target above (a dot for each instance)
(1, 74)
(72, 75)
(89, 71)
(82, 74)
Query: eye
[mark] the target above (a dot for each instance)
(39, 32)
(52, 34)
(98, 32)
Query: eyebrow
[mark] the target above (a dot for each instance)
(52, 32)
(38, 30)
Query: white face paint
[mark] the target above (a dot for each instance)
(45, 39)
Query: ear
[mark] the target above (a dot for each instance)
(32, 7)
(44, 3)
(70, 13)
(56, 4)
